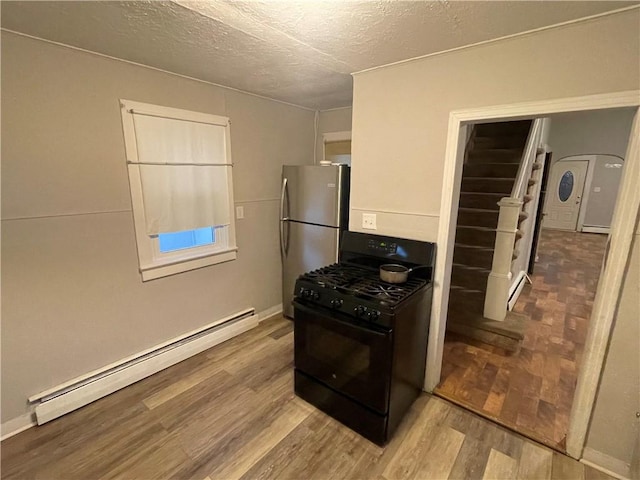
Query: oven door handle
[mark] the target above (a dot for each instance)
(337, 316)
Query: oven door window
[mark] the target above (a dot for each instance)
(352, 359)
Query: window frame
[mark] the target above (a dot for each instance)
(152, 263)
(330, 137)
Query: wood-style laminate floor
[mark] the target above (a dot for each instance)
(532, 390)
(230, 412)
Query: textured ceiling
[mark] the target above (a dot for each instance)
(296, 51)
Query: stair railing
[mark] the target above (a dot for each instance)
(509, 230)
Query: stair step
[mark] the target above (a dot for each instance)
(466, 300)
(465, 290)
(480, 200)
(478, 217)
(521, 127)
(477, 236)
(471, 278)
(487, 185)
(513, 326)
(473, 256)
(505, 342)
(495, 155)
(466, 303)
(481, 142)
(500, 170)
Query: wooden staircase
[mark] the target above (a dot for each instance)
(491, 164)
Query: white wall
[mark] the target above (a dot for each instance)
(401, 114)
(603, 132)
(72, 296)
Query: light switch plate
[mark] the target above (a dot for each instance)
(239, 212)
(369, 221)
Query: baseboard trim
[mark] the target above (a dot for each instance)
(17, 425)
(74, 397)
(226, 332)
(42, 396)
(605, 230)
(270, 312)
(606, 463)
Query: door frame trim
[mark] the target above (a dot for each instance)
(586, 189)
(620, 242)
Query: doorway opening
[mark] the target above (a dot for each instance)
(522, 371)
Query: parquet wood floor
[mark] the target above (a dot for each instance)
(230, 413)
(532, 390)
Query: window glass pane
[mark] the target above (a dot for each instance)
(566, 186)
(203, 236)
(170, 242)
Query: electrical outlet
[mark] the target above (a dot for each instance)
(239, 212)
(369, 221)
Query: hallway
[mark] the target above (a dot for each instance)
(532, 389)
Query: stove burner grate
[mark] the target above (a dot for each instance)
(363, 283)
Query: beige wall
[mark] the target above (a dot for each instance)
(614, 426)
(336, 120)
(72, 297)
(401, 114)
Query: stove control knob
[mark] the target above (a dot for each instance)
(336, 303)
(360, 310)
(373, 315)
(315, 295)
(305, 292)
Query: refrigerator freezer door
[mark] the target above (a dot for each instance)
(306, 247)
(315, 194)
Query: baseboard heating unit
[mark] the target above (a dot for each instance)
(516, 289)
(81, 391)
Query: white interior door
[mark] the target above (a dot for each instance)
(564, 194)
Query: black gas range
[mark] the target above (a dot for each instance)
(360, 342)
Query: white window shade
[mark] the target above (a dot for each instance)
(188, 197)
(167, 140)
(183, 173)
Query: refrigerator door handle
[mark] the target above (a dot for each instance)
(282, 217)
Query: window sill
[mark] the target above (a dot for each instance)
(171, 267)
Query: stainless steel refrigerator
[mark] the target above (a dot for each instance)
(314, 210)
